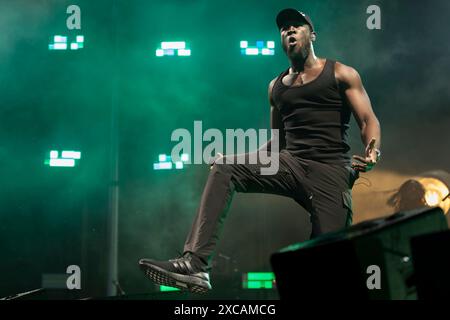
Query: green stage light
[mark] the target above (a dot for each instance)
(166, 162)
(60, 39)
(251, 51)
(258, 280)
(62, 163)
(167, 289)
(259, 285)
(173, 45)
(68, 158)
(162, 166)
(179, 165)
(60, 43)
(172, 48)
(184, 157)
(184, 52)
(71, 154)
(258, 276)
(260, 48)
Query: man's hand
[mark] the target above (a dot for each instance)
(368, 162)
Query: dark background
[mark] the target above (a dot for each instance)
(54, 217)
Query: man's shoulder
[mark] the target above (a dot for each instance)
(272, 82)
(345, 73)
(343, 68)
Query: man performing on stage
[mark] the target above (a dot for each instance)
(311, 104)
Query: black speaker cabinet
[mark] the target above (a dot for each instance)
(368, 261)
(431, 259)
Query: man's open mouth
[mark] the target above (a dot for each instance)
(292, 41)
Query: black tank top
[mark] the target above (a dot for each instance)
(315, 117)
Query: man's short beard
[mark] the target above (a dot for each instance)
(302, 54)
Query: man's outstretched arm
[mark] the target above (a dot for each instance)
(351, 84)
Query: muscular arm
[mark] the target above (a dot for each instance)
(351, 85)
(275, 122)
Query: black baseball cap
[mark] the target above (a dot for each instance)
(291, 15)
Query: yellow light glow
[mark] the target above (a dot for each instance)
(435, 191)
(432, 198)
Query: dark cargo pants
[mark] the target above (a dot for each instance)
(324, 190)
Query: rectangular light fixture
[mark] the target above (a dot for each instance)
(60, 39)
(62, 163)
(162, 166)
(184, 52)
(60, 43)
(59, 46)
(173, 48)
(184, 157)
(165, 162)
(179, 165)
(251, 51)
(68, 158)
(173, 45)
(264, 48)
(71, 154)
(258, 280)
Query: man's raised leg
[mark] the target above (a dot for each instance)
(190, 271)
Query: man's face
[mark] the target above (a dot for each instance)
(295, 37)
